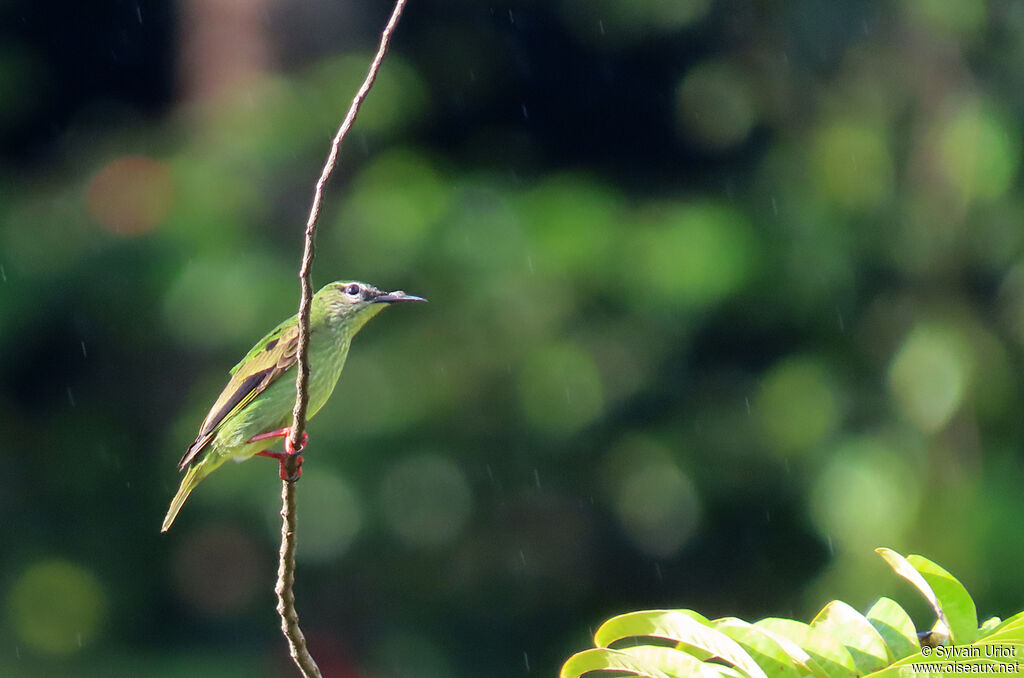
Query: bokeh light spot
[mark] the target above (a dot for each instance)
(797, 404)
(56, 607)
(482, 233)
(218, 301)
(560, 389)
(399, 94)
(331, 517)
(130, 195)
(866, 495)
(693, 255)
(853, 163)
(715, 105)
(980, 151)
(216, 570)
(960, 17)
(571, 221)
(929, 375)
(395, 203)
(657, 505)
(426, 500)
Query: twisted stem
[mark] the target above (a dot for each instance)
(286, 568)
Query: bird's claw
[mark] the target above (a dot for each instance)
(293, 451)
(283, 459)
(298, 469)
(302, 444)
(290, 451)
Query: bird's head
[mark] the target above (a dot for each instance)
(350, 304)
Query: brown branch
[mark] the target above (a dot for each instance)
(286, 567)
(285, 580)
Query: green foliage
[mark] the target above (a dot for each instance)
(838, 643)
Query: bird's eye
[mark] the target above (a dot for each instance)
(352, 290)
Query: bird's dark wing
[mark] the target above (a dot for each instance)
(271, 357)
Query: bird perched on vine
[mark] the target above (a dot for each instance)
(256, 405)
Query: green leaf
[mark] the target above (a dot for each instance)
(777, 656)
(696, 616)
(826, 650)
(677, 627)
(1014, 621)
(697, 652)
(855, 632)
(895, 626)
(961, 614)
(612, 661)
(839, 642)
(1011, 621)
(1005, 646)
(675, 662)
(988, 626)
(1012, 633)
(903, 568)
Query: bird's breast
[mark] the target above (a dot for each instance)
(327, 357)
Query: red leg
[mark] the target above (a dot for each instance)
(281, 433)
(290, 451)
(282, 458)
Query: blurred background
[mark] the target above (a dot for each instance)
(723, 295)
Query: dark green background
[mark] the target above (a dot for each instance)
(722, 296)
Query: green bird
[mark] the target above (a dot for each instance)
(257, 402)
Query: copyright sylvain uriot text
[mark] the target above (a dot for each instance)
(970, 652)
(963, 659)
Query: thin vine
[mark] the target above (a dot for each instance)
(286, 567)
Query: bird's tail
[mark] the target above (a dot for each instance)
(188, 483)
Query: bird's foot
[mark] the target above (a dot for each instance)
(290, 451)
(282, 458)
(283, 472)
(302, 444)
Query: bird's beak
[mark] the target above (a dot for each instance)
(396, 297)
